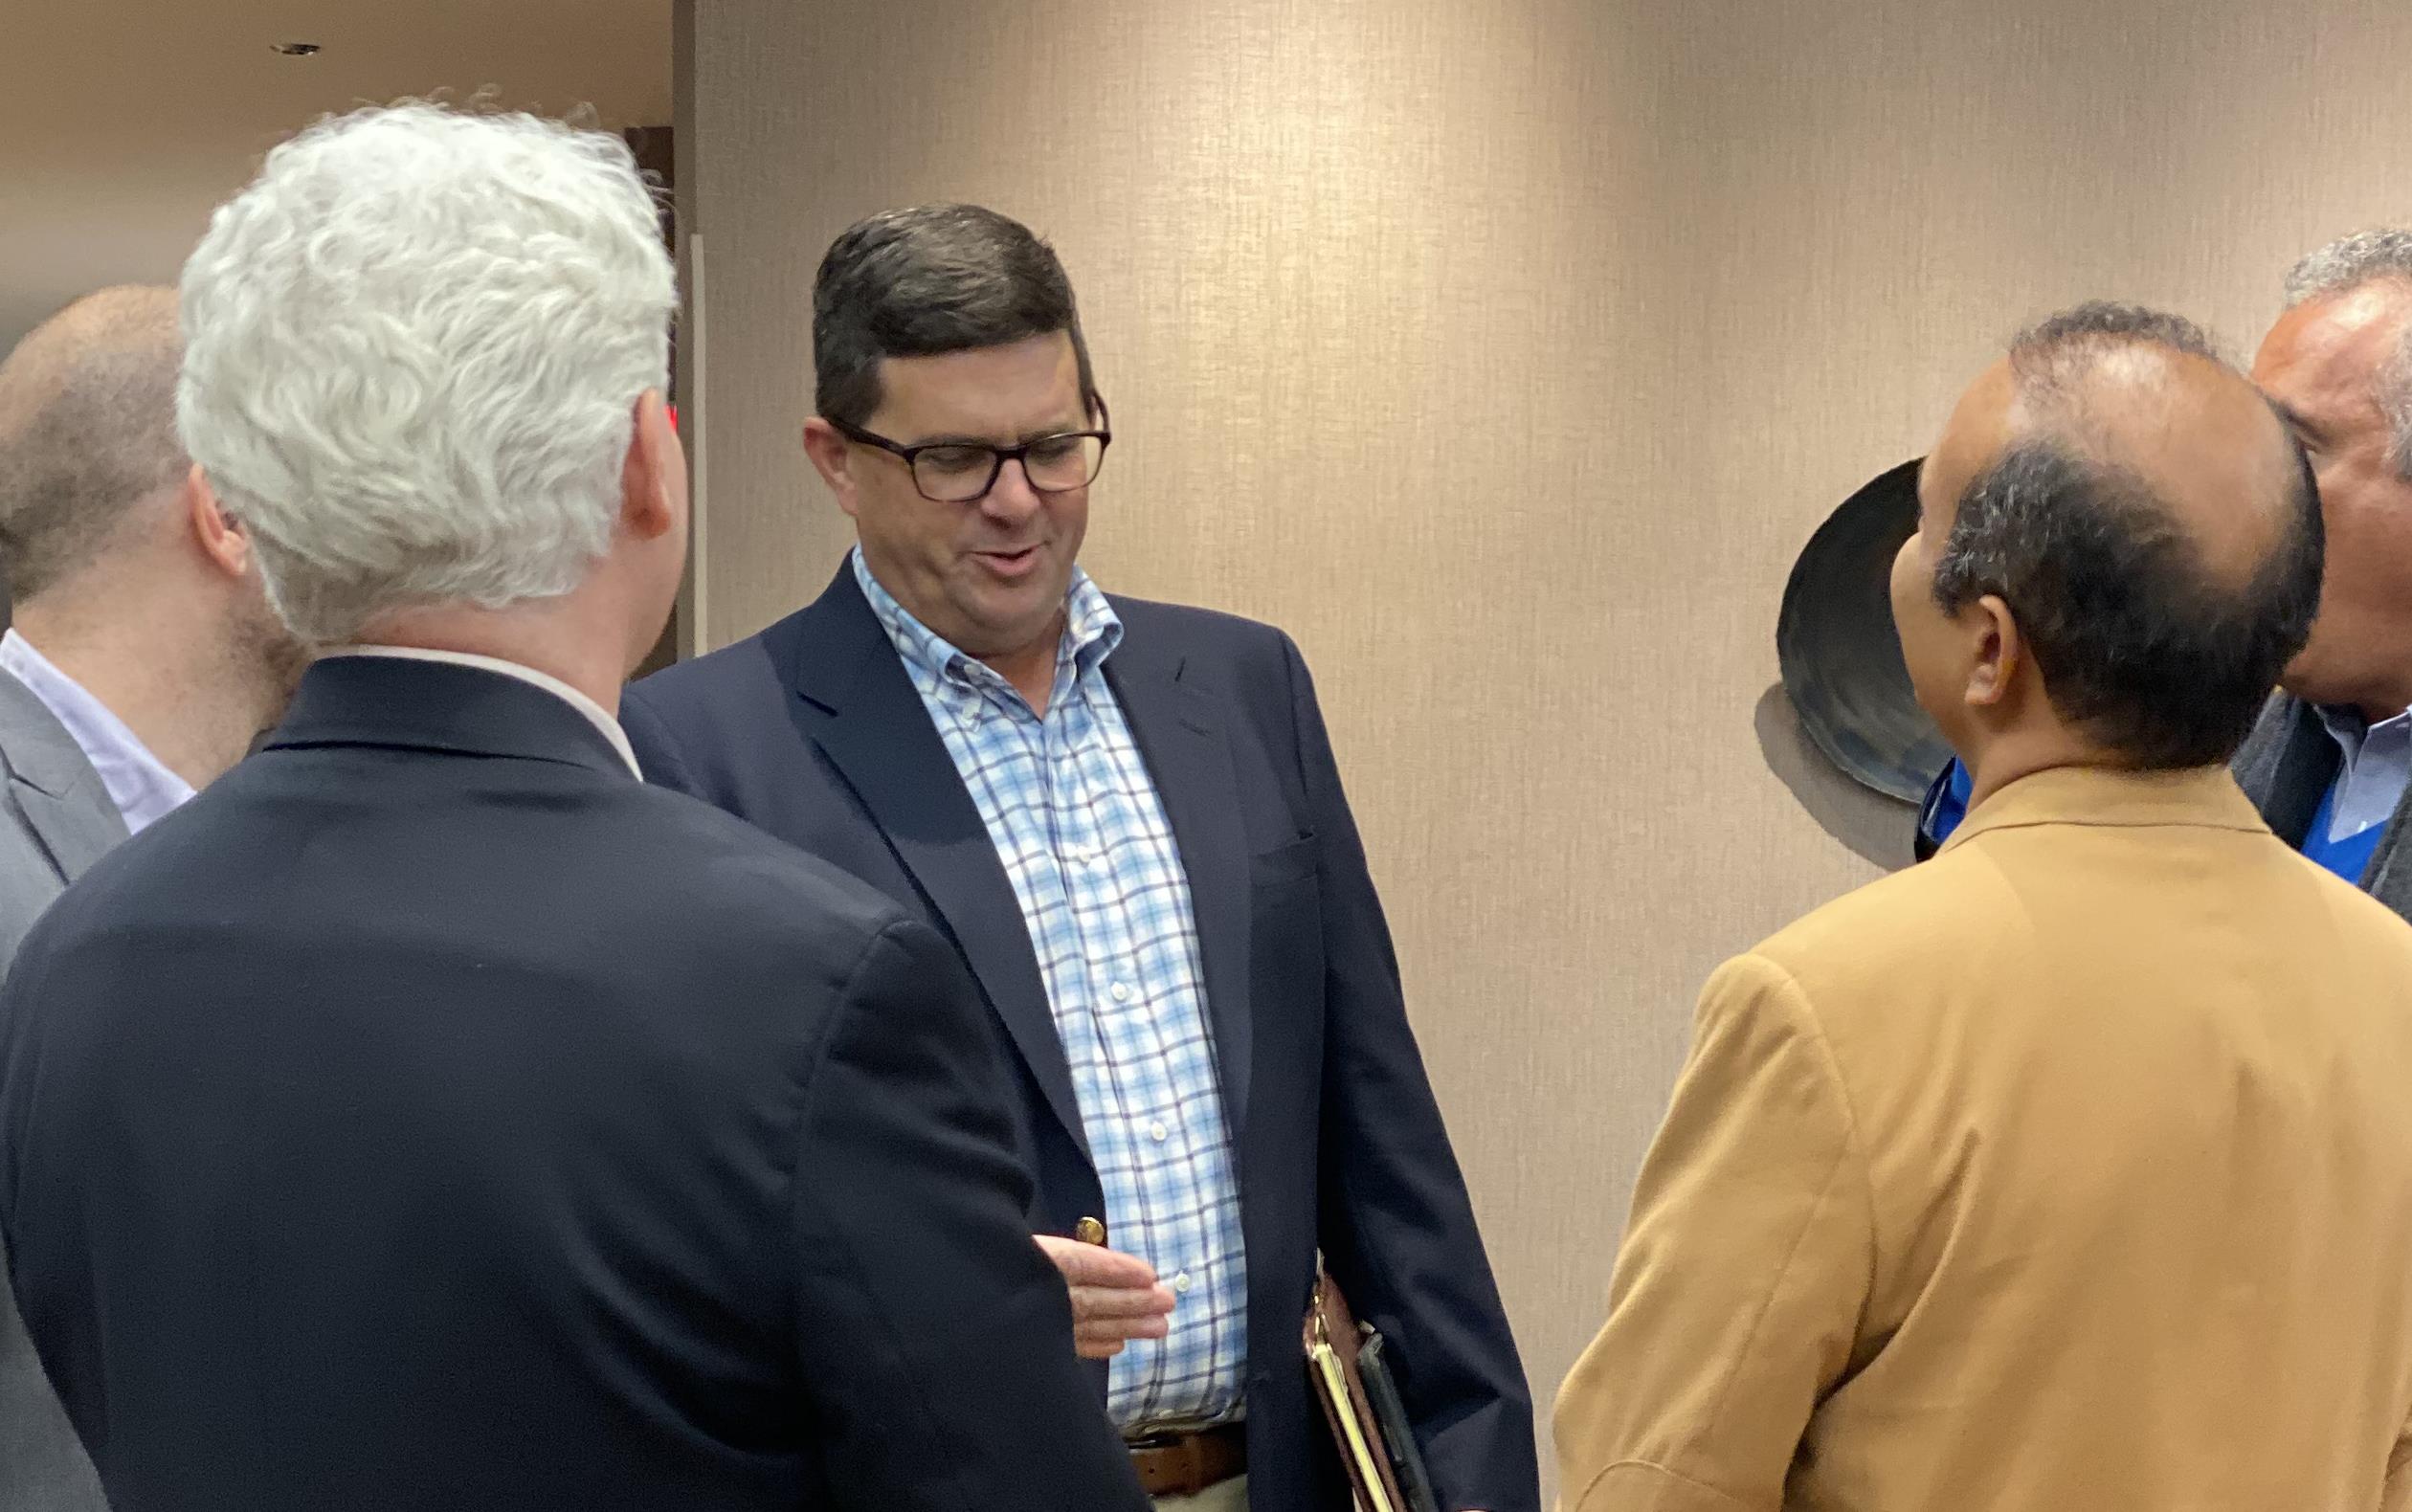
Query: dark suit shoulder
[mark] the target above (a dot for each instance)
(1200, 629)
(745, 881)
(1244, 660)
(721, 879)
(761, 660)
(768, 876)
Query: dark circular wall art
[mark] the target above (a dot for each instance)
(1839, 656)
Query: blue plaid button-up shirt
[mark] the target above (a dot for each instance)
(1077, 821)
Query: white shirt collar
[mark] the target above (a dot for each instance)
(593, 711)
(141, 786)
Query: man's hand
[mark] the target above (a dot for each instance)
(1116, 1298)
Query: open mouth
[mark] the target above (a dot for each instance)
(1019, 560)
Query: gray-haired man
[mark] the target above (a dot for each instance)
(2331, 763)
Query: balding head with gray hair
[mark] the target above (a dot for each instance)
(87, 432)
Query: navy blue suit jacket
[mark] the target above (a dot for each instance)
(814, 731)
(431, 1117)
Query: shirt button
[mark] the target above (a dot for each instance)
(1157, 1132)
(1122, 992)
(1181, 1283)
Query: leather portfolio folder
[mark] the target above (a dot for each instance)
(1351, 1376)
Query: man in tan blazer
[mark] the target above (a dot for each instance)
(2071, 1170)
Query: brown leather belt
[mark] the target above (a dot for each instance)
(1185, 1464)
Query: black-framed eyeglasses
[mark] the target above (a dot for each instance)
(960, 472)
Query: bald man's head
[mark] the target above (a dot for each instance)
(2143, 396)
(2148, 522)
(87, 432)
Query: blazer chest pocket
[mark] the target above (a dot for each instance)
(1284, 864)
(1285, 951)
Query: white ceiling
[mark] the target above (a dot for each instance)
(123, 122)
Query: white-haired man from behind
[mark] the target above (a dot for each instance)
(432, 1115)
(142, 661)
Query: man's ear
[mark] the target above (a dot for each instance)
(653, 476)
(221, 540)
(2000, 652)
(832, 458)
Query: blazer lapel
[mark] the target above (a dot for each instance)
(2289, 775)
(869, 721)
(2307, 763)
(53, 784)
(1179, 732)
(2389, 878)
(77, 827)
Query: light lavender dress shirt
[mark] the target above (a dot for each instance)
(143, 788)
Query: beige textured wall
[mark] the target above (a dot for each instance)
(1506, 352)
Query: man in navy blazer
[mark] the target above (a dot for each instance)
(1126, 817)
(432, 1117)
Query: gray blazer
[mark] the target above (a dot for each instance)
(2287, 766)
(55, 820)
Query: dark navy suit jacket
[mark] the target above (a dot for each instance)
(814, 731)
(433, 1117)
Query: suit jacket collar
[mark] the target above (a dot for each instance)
(2101, 798)
(53, 784)
(2288, 765)
(600, 718)
(439, 707)
(834, 649)
(876, 732)
(140, 786)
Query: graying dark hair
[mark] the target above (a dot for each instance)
(87, 431)
(2061, 349)
(926, 281)
(2140, 642)
(2342, 266)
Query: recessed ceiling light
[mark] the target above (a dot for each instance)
(296, 49)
